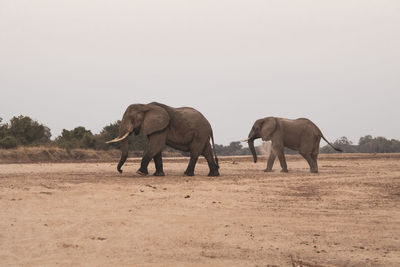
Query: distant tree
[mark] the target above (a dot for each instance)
(22, 130)
(366, 144)
(395, 145)
(8, 142)
(219, 149)
(3, 129)
(383, 145)
(364, 140)
(379, 144)
(28, 131)
(76, 138)
(108, 132)
(343, 143)
(234, 149)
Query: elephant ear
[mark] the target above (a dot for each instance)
(268, 128)
(155, 119)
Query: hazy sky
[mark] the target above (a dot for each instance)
(81, 63)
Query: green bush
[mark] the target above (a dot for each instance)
(28, 131)
(22, 130)
(8, 142)
(76, 138)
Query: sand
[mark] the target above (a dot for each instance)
(87, 214)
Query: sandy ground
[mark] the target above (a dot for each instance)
(86, 214)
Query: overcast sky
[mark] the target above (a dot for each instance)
(81, 63)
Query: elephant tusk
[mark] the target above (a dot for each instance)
(245, 140)
(117, 139)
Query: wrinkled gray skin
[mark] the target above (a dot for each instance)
(184, 129)
(300, 134)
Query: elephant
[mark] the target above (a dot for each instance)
(183, 128)
(299, 134)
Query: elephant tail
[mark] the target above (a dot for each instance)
(337, 149)
(213, 147)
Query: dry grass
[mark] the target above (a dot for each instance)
(54, 154)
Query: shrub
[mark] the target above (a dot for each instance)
(22, 130)
(78, 137)
(8, 142)
(28, 131)
(234, 149)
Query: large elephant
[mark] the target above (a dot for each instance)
(184, 129)
(300, 134)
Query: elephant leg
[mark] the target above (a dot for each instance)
(207, 153)
(310, 159)
(124, 155)
(192, 163)
(143, 165)
(196, 149)
(309, 150)
(282, 161)
(270, 162)
(159, 165)
(314, 157)
(155, 145)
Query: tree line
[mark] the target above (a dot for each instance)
(366, 144)
(24, 131)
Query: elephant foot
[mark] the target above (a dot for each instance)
(187, 173)
(159, 173)
(142, 172)
(268, 170)
(314, 171)
(213, 173)
(284, 170)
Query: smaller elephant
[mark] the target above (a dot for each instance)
(299, 134)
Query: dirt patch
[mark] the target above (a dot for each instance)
(87, 214)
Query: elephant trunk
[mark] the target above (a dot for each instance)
(252, 149)
(124, 154)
